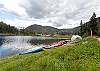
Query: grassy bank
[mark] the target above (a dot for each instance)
(82, 56)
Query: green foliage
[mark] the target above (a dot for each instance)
(98, 26)
(82, 56)
(92, 25)
(7, 29)
(82, 28)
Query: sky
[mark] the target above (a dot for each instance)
(61, 14)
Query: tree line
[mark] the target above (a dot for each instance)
(90, 28)
(7, 29)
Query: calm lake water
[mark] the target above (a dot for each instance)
(11, 45)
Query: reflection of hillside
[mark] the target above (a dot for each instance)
(43, 41)
(2, 40)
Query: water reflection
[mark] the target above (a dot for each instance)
(10, 45)
(1, 40)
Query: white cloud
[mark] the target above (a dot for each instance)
(14, 6)
(58, 13)
(25, 23)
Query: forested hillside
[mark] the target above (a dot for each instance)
(7, 29)
(41, 29)
(92, 27)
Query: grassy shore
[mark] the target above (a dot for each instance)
(82, 56)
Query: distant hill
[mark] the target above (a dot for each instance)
(52, 30)
(41, 29)
(49, 29)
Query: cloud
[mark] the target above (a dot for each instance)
(57, 13)
(14, 7)
(1, 5)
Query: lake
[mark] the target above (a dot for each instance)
(11, 45)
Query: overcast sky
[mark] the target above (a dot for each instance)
(56, 13)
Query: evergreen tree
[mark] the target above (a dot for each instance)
(81, 28)
(98, 26)
(7, 29)
(93, 24)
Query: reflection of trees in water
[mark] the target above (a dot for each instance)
(43, 41)
(2, 39)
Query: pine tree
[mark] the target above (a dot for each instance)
(93, 24)
(98, 26)
(81, 28)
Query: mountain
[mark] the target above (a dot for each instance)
(49, 30)
(41, 29)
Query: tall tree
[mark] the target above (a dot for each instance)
(7, 29)
(98, 26)
(81, 28)
(93, 24)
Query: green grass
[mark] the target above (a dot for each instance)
(82, 56)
